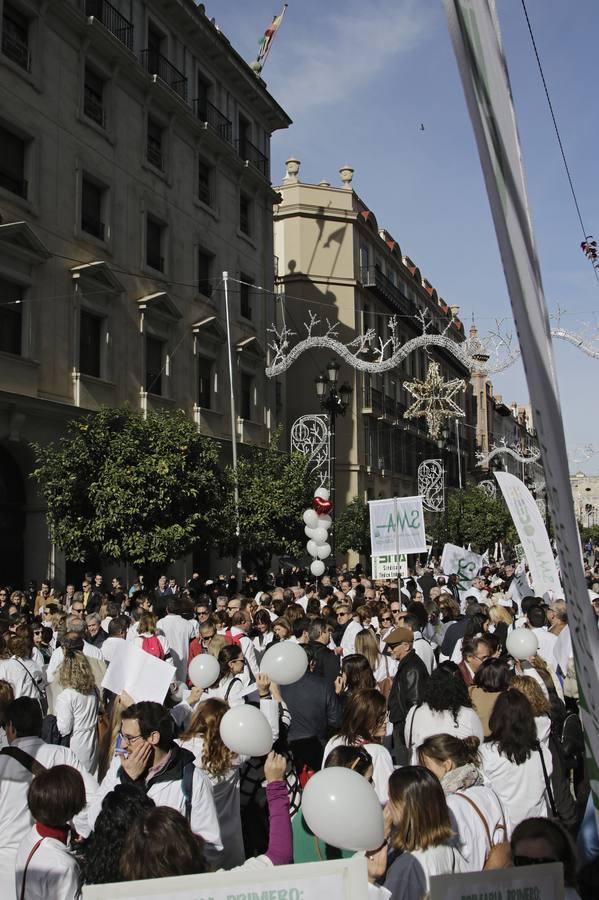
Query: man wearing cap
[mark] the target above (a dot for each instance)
(406, 690)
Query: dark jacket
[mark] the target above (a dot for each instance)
(426, 582)
(314, 707)
(455, 631)
(98, 639)
(406, 690)
(326, 663)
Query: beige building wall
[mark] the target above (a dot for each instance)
(335, 263)
(134, 170)
(585, 493)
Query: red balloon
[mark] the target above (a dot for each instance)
(321, 506)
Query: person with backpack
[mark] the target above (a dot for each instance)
(179, 632)
(150, 639)
(238, 633)
(149, 758)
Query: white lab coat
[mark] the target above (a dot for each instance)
(15, 818)
(247, 648)
(52, 871)
(546, 645)
(25, 679)
(57, 658)
(521, 788)
(178, 632)
(423, 722)
(348, 640)
(382, 764)
(425, 651)
(473, 839)
(77, 715)
(408, 876)
(204, 820)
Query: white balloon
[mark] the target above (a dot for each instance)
(317, 567)
(312, 548)
(322, 493)
(203, 670)
(310, 532)
(522, 643)
(244, 729)
(311, 518)
(342, 809)
(323, 550)
(284, 663)
(319, 535)
(325, 521)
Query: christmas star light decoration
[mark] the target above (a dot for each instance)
(434, 399)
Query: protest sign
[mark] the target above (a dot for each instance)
(387, 567)
(143, 676)
(397, 526)
(463, 563)
(532, 533)
(476, 38)
(342, 879)
(542, 882)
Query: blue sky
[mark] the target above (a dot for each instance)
(358, 79)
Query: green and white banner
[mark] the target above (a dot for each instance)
(397, 526)
(388, 567)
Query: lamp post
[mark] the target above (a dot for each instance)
(335, 400)
(443, 446)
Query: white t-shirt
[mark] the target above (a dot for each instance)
(178, 632)
(521, 788)
(423, 722)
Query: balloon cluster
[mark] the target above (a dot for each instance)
(318, 521)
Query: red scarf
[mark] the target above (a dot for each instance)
(46, 831)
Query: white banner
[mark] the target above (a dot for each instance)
(533, 535)
(343, 879)
(386, 568)
(463, 563)
(477, 44)
(397, 526)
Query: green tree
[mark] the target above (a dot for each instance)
(352, 527)
(274, 490)
(472, 518)
(126, 488)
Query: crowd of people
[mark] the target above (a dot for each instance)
(476, 756)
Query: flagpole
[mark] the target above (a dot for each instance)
(258, 65)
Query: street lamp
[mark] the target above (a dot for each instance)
(335, 400)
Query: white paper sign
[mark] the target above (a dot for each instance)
(143, 676)
(385, 567)
(532, 533)
(476, 38)
(542, 882)
(397, 525)
(463, 563)
(342, 879)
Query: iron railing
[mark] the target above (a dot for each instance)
(16, 50)
(214, 118)
(93, 108)
(157, 64)
(12, 184)
(112, 20)
(372, 277)
(255, 157)
(92, 226)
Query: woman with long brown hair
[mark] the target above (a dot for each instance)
(421, 834)
(221, 766)
(364, 724)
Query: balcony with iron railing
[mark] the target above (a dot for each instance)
(255, 157)
(92, 107)
(112, 20)
(158, 65)
(11, 183)
(372, 277)
(214, 118)
(16, 50)
(92, 226)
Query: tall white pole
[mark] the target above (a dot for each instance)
(233, 426)
(457, 436)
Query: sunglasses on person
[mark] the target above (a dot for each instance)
(343, 615)
(385, 618)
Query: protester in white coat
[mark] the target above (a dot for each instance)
(446, 709)
(45, 867)
(23, 728)
(178, 632)
(76, 708)
(476, 813)
(511, 760)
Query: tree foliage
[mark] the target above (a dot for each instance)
(472, 518)
(127, 488)
(352, 527)
(274, 490)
